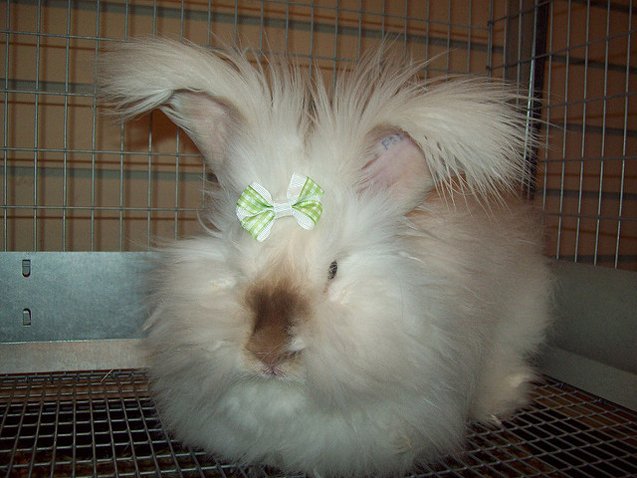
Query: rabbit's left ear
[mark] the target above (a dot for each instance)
(397, 165)
(464, 135)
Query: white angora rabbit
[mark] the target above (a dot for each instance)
(367, 287)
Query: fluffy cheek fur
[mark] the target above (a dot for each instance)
(366, 340)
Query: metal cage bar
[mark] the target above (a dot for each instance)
(86, 190)
(104, 424)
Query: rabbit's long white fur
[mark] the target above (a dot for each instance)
(440, 295)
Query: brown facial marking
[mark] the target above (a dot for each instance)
(276, 308)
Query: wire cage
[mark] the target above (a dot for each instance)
(87, 424)
(74, 181)
(82, 194)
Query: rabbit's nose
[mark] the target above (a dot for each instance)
(276, 309)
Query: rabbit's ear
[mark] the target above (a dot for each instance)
(399, 166)
(204, 93)
(471, 135)
(207, 120)
(470, 132)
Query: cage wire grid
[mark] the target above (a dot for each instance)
(104, 424)
(76, 181)
(73, 180)
(54, 188)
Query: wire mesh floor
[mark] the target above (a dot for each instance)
(104, 424)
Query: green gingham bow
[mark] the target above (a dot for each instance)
(257, 211)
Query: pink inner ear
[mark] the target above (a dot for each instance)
(205, 119)
(398, 165)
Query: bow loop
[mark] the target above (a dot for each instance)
(257, 211)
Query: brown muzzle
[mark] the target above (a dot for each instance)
(276, 309)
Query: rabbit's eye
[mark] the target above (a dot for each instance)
(331, 271)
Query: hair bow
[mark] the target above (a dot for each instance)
(257, 211)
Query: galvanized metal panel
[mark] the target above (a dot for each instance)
(48, 296)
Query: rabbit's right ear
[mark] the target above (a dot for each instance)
(205, 94)
(207, 120)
